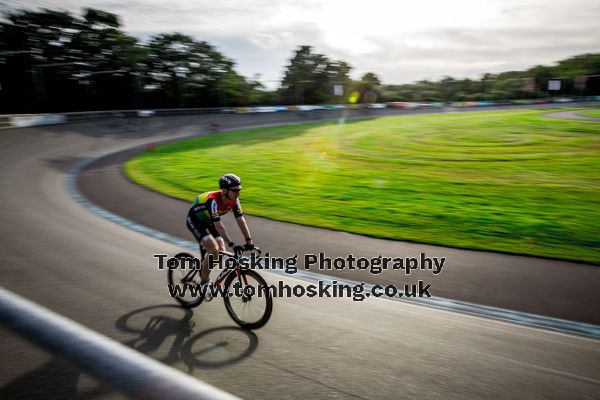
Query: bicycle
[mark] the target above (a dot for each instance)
(253, 288)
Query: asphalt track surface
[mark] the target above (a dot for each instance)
(103, 276)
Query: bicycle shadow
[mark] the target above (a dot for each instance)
(211, 348)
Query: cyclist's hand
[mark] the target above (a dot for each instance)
(249, 246)
(231, 244)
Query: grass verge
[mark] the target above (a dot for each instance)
(510, 181)
(593, 114)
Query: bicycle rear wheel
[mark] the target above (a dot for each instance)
(250, 303)
(184, 282)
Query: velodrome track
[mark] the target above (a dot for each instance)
(103, 276)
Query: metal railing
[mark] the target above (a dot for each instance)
(132, 373)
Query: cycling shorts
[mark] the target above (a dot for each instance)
(199, 228)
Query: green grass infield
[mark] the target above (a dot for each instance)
(510, 181)
(593, 114)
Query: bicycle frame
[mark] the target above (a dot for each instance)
(223, 275)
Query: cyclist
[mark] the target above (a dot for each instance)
(204, 220)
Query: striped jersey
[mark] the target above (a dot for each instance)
(209, 207)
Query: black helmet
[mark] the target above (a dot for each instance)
(229, 180)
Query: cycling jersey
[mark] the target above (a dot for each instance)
(209, 206)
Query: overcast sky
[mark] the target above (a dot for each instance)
(400, 41)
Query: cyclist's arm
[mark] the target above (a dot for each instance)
(241, 221)
(222, 231)
(239, 218)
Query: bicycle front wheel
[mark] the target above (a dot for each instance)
(247, 299)
(184, 282)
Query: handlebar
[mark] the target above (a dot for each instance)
(239, 250)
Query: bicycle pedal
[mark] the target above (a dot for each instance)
(208, 297)
(206, 290)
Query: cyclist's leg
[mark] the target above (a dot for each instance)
(215, 233)
(221, 243)
(212, 253)
(200, 230)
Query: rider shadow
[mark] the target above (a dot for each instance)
(212, 348)
(53, 380)
(56, 379)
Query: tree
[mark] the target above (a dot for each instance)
(29, 41)
(370, 79)
(52, 60)
(110, 63)
(309, 78)
(188, 73)
(369, 88)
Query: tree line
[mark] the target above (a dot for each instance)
(53, 61)
(578, 76)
